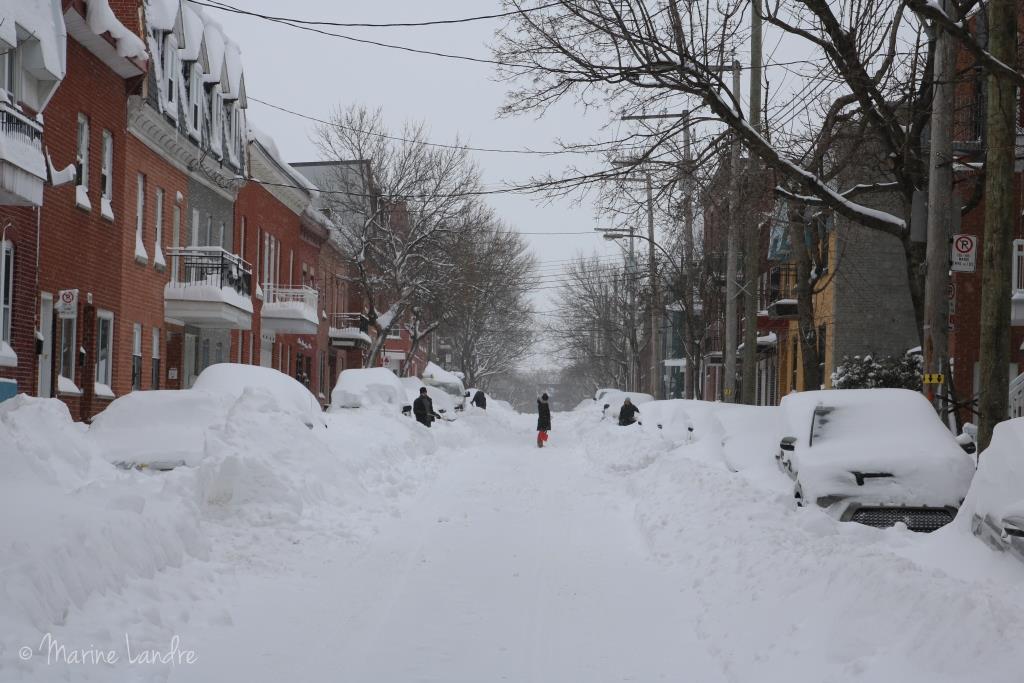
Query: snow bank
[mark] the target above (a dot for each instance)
(73, 525)
(365, 387)
(157, 428)
(836, 601)
(441, 400)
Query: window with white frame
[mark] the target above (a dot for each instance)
(82, 163)
(154, 382)
(158, 237)
(195, 103)
(216, 120)
(136, 357)
(107, 177)
(104, 352)
(171, 75)
(140, 218)
(6, 290)
(195, 227)
(1018, 267)
(9, 74)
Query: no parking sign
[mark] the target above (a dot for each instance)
(965, 253)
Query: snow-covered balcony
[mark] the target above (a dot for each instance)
(349, 330)
(290, 310)
(22, 162)
(209, 288)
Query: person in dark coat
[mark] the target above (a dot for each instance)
(627, 415)
(479, 400)
(543, 419)
(423, 409)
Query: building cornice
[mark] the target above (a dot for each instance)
(154, 131)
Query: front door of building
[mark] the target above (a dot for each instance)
(46, 354)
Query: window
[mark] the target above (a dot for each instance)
(82, 163)
(9, 73)
(6, 290)
(241, 239)
(216, 120)
(104, 348)
(220, 236)
(1017, 284)
(171, 75)
(68, 347)
(136, 357)
(209, 231)
(154, 382)
(195, 227)
(107, 177)
(158, 237)
(140, 218)
(195, 101)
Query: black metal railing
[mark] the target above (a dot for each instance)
(15, 124)
(210, 267)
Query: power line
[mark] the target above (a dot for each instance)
(216, 4)
(398, 138)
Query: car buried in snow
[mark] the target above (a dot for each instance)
(874, 456)
(995, 504)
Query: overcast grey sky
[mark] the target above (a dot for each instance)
(311, 74)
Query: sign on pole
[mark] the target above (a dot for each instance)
(965, 253)
(67, 304)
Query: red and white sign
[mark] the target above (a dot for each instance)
(965, 253)
(66, 304)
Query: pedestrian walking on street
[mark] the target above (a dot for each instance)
(543, 420)
(423, 409)
(627, 415)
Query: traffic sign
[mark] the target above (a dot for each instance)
(965, 253)
(933, 378)
(67, 304)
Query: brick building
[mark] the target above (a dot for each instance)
(32, 66)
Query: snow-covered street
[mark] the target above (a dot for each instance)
(467, 554)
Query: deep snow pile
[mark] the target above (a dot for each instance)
(78, 530)
(998, 487)
(364, 387)
(788, 592)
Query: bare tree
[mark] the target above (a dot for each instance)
(397, 214)
(488, 318)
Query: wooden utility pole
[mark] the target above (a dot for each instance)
(729, 348)
(688, 267)
(935, 332)
(752, 241)
(999, 221)
(655, 302)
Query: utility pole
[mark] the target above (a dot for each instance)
(729, 350)
(654, 374)
(999, 221)
(752, 243)
(687, 293)
(935, 332)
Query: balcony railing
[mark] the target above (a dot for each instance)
(349, 330)
(275, 294)
(210, 267)
(14, 124)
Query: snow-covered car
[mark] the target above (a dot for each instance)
(874, 456)
(158, 430)
(435, 376)
(611, 401)
(232, 379)
(367, 387)
(995, 504)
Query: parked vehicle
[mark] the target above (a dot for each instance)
(995, 504)
(874, 456)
